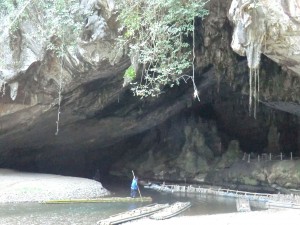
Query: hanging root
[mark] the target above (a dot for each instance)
(196, 93)
(59, 95)
(255, 92)
(250, 91)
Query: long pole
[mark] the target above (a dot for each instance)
(137, 185)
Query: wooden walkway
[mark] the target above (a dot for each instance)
(263, 197)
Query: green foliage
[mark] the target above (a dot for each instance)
(8, 9)
(58, 22)
(157, 34)
(4, 7)
(130, 74)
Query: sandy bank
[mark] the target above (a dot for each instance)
(34, 187)
(267, 217)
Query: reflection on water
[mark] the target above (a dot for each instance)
(81, 213)
(208, 204)
(90, 213)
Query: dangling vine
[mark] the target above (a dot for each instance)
(196, 93)
(56, 25)
(60, 88)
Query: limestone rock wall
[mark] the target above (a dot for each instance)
(268, 27)
(31, 69)
(181, 149)
(276, 174)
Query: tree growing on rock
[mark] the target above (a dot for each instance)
(158, 35)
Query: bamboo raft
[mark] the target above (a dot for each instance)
(173, 210)
(132, 214)
(98, 200)
(281, 205)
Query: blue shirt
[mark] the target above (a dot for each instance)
(134, 184)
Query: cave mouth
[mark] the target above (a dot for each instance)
(228, 110)
(272, 132)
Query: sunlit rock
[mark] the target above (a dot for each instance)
(269, 27)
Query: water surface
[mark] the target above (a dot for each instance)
(90, 213)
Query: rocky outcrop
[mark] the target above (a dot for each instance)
(277, 175)
(42, 94)
(270, 28)
(33, 74)
(194, 146)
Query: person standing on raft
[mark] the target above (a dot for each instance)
(134, 187)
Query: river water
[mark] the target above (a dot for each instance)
(90, 213)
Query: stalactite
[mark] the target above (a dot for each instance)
(249, 34)
(253, 91)
(253, 53)
(2, 87)
(13, 90)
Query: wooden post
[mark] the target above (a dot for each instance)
(281, 156)
(258, 158)
(248, 158)
(244, 157)
(291, 156)
(270, 156)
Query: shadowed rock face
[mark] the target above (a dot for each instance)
(102, 125)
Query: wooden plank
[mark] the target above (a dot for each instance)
(97, 200)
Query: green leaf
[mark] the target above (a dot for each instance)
(130, 73)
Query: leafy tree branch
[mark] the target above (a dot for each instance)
(157, 34)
